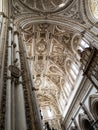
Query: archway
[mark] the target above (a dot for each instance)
(84, 122)
(93, 105)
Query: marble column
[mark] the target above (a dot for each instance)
(13, 92)
(20, 116)
(3, 39)
(8, 87)
(3, 32)
(1, 21)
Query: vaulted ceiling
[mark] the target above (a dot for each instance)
(46, 6)
(66, 8)
(51, 49)
(53, 31)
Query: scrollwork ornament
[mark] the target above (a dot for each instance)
(15, 71)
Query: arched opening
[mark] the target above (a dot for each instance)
(96, 108)
(85, 123)
(93, 105)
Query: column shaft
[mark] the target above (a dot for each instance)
(19, 96)
(1, 21)
(8, 88)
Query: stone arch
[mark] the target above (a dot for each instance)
(84, 122)
(93, 105)
(22, 20)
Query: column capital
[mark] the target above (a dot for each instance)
(16, 33)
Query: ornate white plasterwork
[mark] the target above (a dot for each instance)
(52, 46)
(41, 6)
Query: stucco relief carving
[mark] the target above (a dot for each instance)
(38, 39)
(59, 60)
(18, 8)
(41, 46)
(67, 9)
(52, 45)
(53, 69)
(43, 27)
(55, 79)
(39, 66)
(37, 82)
(74, 12)
(50, 6)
